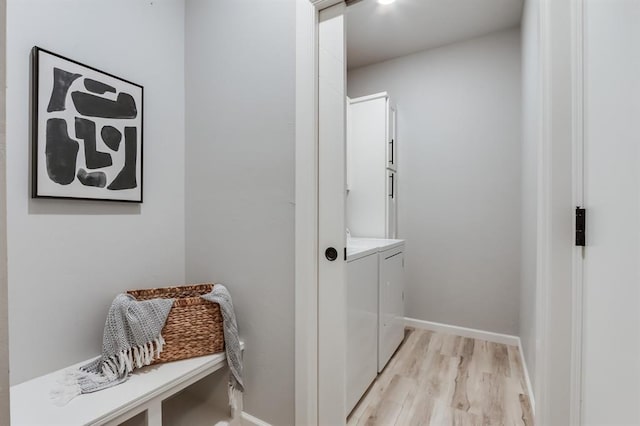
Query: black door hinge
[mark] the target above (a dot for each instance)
(581, 227)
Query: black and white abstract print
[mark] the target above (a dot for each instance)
(87, 130)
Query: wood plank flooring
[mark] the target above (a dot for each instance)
(441, 379)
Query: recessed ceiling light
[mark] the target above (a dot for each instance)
(385, 1)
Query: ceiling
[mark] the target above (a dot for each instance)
(378, 33)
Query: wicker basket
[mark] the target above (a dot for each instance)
(194, 325)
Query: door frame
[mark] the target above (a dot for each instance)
(552, 214)
(578, 110)
(4, 338)
(559, 280)
(306, 215)
(307, 323)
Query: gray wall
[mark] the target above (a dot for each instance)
(459, 177)
(530, 142)
(240, 98)
(4, 338)
(68, 259)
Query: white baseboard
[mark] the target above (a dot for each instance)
(473, 333)
(249, 420)
(532, 399)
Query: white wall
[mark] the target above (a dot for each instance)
(240, 69)
(530, 144)
(612, 196)
(68, 259)
(4, 336)
(459, 177)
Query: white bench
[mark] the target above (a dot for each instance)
(145, 390)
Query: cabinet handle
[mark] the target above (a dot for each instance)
(392, 186)
(391, 161)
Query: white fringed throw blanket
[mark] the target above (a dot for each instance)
(132, 339)
(221, 296)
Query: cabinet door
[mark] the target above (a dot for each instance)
(362, 326)
(391, 305)
(366, 168)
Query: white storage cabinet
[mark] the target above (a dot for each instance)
(372, 166)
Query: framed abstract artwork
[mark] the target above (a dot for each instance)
(86, 132)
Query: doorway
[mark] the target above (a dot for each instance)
(315, 358)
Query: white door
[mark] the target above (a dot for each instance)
(332, 315)
(611, 328)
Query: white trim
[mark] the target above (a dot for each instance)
(554, 296)
(577, 78)
(543, 273)
(306, 215)
(490, 336)
(324, 4)
(527, 378)
(307, 367)
(249, 420)
(307, 256)
(4, 338)
(368, 97)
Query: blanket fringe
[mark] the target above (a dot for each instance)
(68, 386)
(65, 393)
(235, 402)
(118, 365)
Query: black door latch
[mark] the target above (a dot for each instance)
(581, 227)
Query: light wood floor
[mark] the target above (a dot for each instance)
(440, 379)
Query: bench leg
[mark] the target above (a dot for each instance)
(154, 413)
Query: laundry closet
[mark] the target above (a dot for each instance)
(433, 196)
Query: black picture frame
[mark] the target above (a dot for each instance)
(78, 189)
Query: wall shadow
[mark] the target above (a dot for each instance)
(44, 206)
